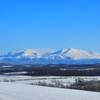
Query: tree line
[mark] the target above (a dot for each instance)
(66, 72)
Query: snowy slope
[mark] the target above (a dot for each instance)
(75, 54)
(11, 91)
(36, 56)
(29, 53)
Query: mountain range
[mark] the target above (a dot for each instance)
(63, 56)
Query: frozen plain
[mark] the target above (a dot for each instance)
(20, 90)
(12, 91)
(66, 80)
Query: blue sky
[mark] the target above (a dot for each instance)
(54, 24)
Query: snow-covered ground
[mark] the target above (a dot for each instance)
(48, 79)
(12, 91)
(17, 88)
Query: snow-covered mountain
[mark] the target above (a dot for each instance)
(36, 56)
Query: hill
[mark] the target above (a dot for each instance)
(10, 91)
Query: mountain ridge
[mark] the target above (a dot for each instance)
(38, 56)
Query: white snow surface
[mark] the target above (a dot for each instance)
(11, 91)
(67, 81)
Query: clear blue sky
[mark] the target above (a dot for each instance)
(54, 24)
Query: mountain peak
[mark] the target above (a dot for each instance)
(39, 56)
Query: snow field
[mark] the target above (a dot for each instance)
(11, 91)
(47, 79)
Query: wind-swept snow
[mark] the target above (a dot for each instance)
(11, 91)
